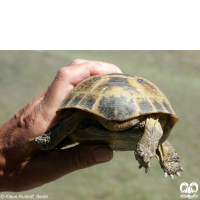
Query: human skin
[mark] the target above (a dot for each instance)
(23, 166)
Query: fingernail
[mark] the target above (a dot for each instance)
(102, 154)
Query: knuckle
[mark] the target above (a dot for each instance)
(63, 72)
(75, 62)
(28, 119)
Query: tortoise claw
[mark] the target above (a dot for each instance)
(140, 166)
(178, 174)
(181, 169)
(166, 174)
(172, 176)
(149, 166)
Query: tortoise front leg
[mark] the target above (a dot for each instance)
(60, 131)
(168, 159)
(146, 147)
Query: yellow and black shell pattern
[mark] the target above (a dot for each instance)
(118, 97)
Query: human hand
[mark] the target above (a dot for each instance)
(23, 165)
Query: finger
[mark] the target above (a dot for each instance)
(50, 166)
(109, 65)
(82, 71)
(78, 61)
(66, 79)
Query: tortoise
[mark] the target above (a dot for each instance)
(123, 111)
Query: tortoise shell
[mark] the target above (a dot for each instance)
(118, 97)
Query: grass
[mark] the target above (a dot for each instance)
(24, 74)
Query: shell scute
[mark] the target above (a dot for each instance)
(117, 107)
(109, 84)
(145, 105)
(88, 102)
(67, 100)
(157, 104)
(168, 107)
(148, 88)
(76, 100)
(87, 85)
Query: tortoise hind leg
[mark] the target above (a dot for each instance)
(146, 147)
(168, 159)
(68, 123)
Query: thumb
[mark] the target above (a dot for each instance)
(49, 166)
(84, 155)
(62, 162)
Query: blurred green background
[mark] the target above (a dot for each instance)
(24, 74)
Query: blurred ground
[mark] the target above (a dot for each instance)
(24, 74)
